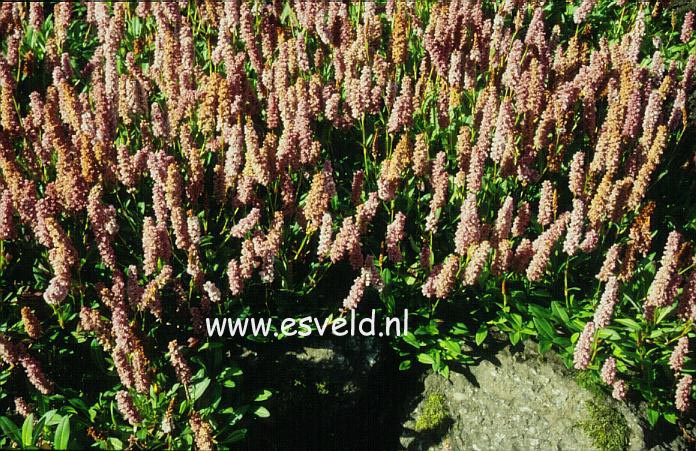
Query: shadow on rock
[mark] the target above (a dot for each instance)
(331, 394)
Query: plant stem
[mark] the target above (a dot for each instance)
(503, 290)
(302, 245)
(565, 283)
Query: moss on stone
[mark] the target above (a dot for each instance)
(590, 382)
(606, 426)
(433, 414)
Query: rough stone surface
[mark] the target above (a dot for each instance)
(519, 401)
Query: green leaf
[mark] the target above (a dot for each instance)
(60, 440)
(28, 431)
(538, 311)
(515, 338)
(664, 312)
(412, 340)
(263, 396)
(656, 333)
(287, 13)
(653, 415)
(544, 327)
(52, 418)
(452, 347)
(141, 434)
(115, 443)
(610, 334)
(631, 324)
(405, 365)
(560, 312)
(78, 404)
(231, 372)
(10, 429)
(459, 329)
(262, 412)
(671, 417)
(426, 358)
(481, 334)
(38, 429)
(545, 346)
(235, 436)
(386, 276)
(198, 389)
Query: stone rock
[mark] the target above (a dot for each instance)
(518, 401)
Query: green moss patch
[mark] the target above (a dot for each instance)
(433, 415)
(590, 382)
(606, 426)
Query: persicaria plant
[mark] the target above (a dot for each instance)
(523, 168)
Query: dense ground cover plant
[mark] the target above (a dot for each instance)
(516, 166)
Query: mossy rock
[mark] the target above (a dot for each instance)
(606, 426)
(433, 415)
(519, 400)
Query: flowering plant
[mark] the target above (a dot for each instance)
(506, 166)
